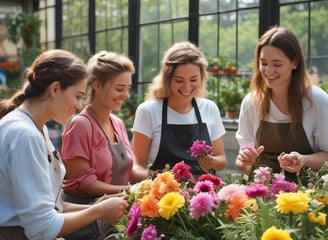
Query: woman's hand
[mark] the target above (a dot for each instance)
(206, 162)
(247, 156)
(112, 207)
(291, 162)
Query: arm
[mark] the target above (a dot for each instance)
(77, 167)
(110, 210)
(217, 160)
(140, 146)
(294, 162)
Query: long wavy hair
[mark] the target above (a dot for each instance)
(285, 40)
(178, 54)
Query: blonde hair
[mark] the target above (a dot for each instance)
(105, 66)
(178, 54)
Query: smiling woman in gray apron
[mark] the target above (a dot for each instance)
(284, 118)
(175, 114)
(31, 170)
(95, 146)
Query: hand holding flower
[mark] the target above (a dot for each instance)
(248, 153)
(200, 149)
(206, 162)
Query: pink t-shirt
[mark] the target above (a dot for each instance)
(84, 138)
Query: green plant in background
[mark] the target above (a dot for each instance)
(228, 91)
(323, 85)
(26, 27)
(21, 25)
(231, 93)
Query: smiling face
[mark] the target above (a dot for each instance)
(68, 101)
(114, 92)
(275, 67)
(185, 82)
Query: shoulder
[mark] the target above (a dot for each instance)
(17, 127)
(204, 103)
(318, 95)
(150, 106)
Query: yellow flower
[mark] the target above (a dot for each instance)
(170, 203)
(273, 233)
(317, 218)
(292, 202)
(323, 199)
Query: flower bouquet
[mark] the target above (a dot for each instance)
(168, 206)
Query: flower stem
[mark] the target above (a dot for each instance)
(182, 222)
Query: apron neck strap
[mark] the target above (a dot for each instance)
(194, 104)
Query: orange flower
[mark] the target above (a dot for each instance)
(234, 206)
(148, 206)
(164, 183)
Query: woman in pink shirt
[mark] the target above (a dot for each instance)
(95, 146)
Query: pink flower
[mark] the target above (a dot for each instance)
(200, 149)
(257, 190)
(204, 186)
(134, 219)
(279, 176)
(262, 175)
(182, 172)
(280, 186)
(201, 204)
(150, 233)
(230, 191)
(247, 146)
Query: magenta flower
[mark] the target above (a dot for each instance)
(257, 190)
(200, 149)
(201, 204)
(280, 186)
(150, 233)
(204, 186)
(210, 177)
(262, 175)
(182, 172)
(134, 219)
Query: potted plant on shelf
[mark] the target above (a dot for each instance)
(231, 93)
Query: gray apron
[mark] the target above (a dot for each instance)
(276, 138)
(176, 139)
(120, 176)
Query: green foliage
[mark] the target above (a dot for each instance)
(323, 85)
(23, 25)
(228, 91)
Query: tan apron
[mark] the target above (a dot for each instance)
(276, 138)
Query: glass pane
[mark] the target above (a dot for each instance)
(208, 35)
(295, 17)
(319, 39)
(154, 10)
(149, 53)
(208, 6)
(227, 35)
(75, 18)
(227, 5)
(248, 3)
(77, 45)
(248, 25)
(111, 14)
